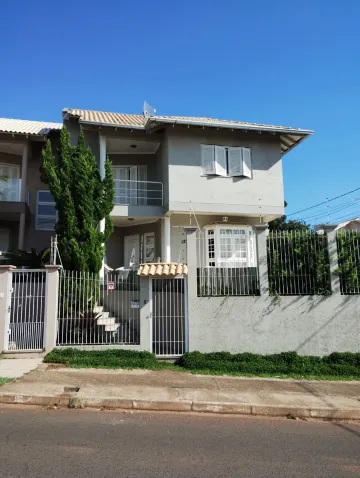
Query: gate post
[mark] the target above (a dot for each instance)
(51, 306)
(145, 314)
(5, 304)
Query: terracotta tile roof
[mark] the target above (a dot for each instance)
(289, 137)
(111, 119)
(8, 125)
(162, 269)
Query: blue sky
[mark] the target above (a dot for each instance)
(279, 62)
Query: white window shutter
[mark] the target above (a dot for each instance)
(220, 161)
(247, 169)
(207, 159)
(235, 161)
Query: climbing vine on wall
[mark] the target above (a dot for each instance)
(348, 245)
(298, 263)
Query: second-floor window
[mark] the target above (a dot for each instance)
(228, 161)
(45, 211)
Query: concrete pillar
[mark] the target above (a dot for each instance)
(190, 232)
(329, 229)
(102, 162)
(5, 304)
(51, 304)
(261, 252)
(166, 240)
(21, 231)
(191, 293)
(145, 314)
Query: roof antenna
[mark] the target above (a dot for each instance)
(148, 110)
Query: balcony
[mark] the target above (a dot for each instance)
(138, 198)
(11, 205)
(10, 190)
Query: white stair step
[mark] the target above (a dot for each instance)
(98, 309)
(111, 328)
(106, 321)
(102, 315)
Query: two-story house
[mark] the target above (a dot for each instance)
(170, 172)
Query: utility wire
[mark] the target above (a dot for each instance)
(324, 202)
(339, 207)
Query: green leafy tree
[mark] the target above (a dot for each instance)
(283, 224)
(82, 200)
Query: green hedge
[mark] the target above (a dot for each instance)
(103, 358)
(286, 363)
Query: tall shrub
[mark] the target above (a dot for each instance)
(82, 200)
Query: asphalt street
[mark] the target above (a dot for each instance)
(79, 443)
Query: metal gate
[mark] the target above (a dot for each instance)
(95, 311)
(27, 310)
(169, 317)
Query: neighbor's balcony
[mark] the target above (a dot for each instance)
(138, 198)
(11, 205)
(10, 190)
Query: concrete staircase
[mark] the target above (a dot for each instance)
(102, 318)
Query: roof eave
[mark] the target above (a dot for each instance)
(112, 125)
(297, 143)
(232, 126)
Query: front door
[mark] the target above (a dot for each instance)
(131, 250)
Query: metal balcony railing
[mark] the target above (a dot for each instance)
(138, 193)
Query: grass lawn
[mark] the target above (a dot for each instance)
(336, 366)
(4, 380)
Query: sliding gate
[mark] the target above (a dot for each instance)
(169, 316)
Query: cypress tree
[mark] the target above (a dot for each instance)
(82, 200)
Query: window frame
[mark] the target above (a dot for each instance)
(227, 175)
(213, 233)
(149, 234)
(37, 215)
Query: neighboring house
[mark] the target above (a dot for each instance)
(350, 225)
(26, 209)
(170, 172)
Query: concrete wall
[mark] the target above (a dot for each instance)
(310, 325)
(188, 189)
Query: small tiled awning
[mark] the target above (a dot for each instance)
(162, 269)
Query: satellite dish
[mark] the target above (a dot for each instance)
(148, 110)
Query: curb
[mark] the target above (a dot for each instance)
(67, 400)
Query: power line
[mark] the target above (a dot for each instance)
(324, 202)
(331, 211)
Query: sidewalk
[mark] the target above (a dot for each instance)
(176, 391)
